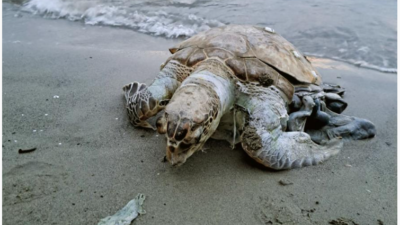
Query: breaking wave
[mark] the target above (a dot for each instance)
(157, 23)
(185, 18)
(361, 64)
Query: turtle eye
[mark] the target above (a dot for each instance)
(182, 130)
(180, 134)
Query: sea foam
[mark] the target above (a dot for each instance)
(171, 19)
(158, 22)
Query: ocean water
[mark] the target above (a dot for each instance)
(361, 32)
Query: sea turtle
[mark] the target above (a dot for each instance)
(245, 84)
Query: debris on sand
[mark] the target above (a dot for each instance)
(22, 151)
(343, 221)
(126, 214)
(285, 182)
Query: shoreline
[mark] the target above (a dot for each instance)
(36, 12)
(363, 65)
(103, 162)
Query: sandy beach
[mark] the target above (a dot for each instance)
(62, 94)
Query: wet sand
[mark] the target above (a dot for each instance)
(90, 161)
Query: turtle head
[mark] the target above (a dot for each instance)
(184, 136)
(187, 125)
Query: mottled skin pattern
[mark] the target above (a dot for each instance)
(245, 84)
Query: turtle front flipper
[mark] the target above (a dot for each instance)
(265, 140)
(141, 104)
(144, 102)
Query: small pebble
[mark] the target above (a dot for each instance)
(56, 96)
(285, 182)
(60, 143)
(46, 114)
(15, 141)
(22, 115)
(368, 190)
(34, 130)
(348, 165)
(158, 174)
(40, 130)
(116, 118)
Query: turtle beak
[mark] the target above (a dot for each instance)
(174, 159)
(176, 163)
(176, 156)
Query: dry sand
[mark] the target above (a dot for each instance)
(103, 162)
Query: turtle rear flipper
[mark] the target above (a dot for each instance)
(290, 150)
(344, 127)
(265, 140)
